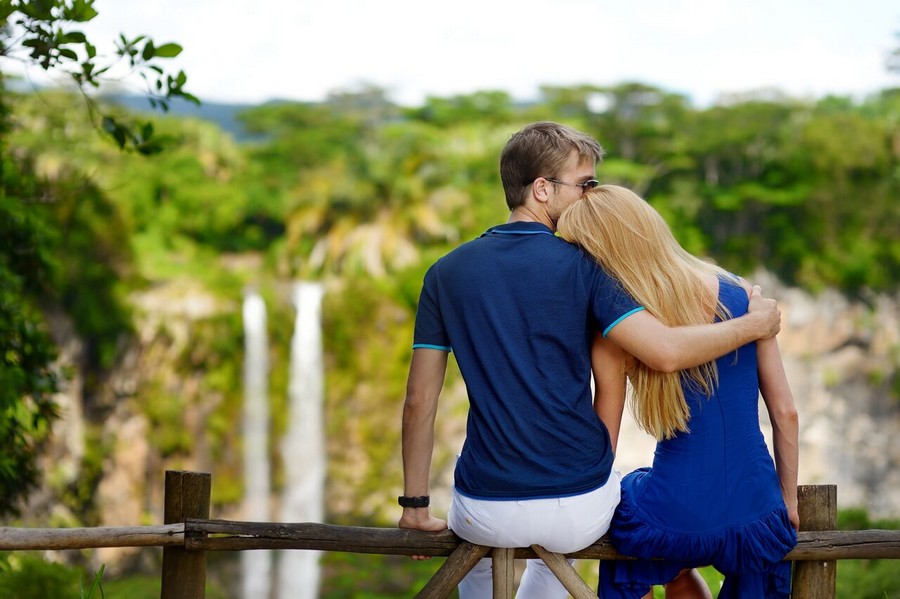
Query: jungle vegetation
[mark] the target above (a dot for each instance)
(98, 202)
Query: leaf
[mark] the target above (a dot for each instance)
(114, 129)
(149, 50)
(80, 11)
(190, 98)
(149, 148)
(169, 50)
(39, 11)
(96, 583)
(6, 9)
(72, 37)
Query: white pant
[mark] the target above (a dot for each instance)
(562, 525)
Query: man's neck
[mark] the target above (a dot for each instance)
(523, 214)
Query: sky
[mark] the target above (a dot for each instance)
(251, 51)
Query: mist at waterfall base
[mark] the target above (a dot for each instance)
(303, 446)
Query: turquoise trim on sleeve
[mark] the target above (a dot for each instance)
(620, 319)
(440, 347)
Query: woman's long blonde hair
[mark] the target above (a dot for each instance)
(633, 243)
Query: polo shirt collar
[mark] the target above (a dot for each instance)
(519, 228)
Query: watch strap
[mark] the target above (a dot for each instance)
(420, 501)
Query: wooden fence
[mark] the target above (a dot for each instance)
(188, 534)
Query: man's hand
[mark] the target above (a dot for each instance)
(766, 313)
(420, 519)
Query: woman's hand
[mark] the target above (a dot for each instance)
(794, 516)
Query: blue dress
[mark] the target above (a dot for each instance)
(712, 496)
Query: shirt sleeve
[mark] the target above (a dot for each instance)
(429, 331)
(611, 303)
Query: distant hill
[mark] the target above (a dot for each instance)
(223, 115)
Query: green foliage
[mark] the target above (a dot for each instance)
(77, 233)
(45, 34)
(27, 377)
(491, 108)
(858, 519)
(365, 381)
(868, 579)
(27, 576)
(61, 242)
(349, 575)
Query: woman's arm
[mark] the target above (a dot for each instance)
(779, 402)
(608, 364)
(669, 349)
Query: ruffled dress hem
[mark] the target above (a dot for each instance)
(749, 555)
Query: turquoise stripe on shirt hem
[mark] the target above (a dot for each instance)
(620, 319)
(429, 346)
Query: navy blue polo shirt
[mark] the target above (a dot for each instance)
(519, 308)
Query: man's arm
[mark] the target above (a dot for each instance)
(669, 349)
(423, 387)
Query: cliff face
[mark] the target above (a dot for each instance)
(843, 362)
(842, 359)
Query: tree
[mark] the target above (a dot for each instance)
(44, 33)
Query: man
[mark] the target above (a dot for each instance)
(519, 307)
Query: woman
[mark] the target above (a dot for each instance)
(713, 495)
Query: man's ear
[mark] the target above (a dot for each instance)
(540, 189)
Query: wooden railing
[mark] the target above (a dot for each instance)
(188, 535)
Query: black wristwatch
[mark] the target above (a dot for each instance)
(420, 501)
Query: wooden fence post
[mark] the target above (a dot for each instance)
(503, 572)
(184, 572)
(818, 511)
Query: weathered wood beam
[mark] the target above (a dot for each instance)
(566, 574)
(25, 539)
(452, 571)
(826, 545)
(324, 537)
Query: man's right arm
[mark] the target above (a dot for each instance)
(423, 388)
(669, 349)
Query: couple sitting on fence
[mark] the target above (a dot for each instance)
(530, 316)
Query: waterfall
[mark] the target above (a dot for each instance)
(257, 564)
(303, 448)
